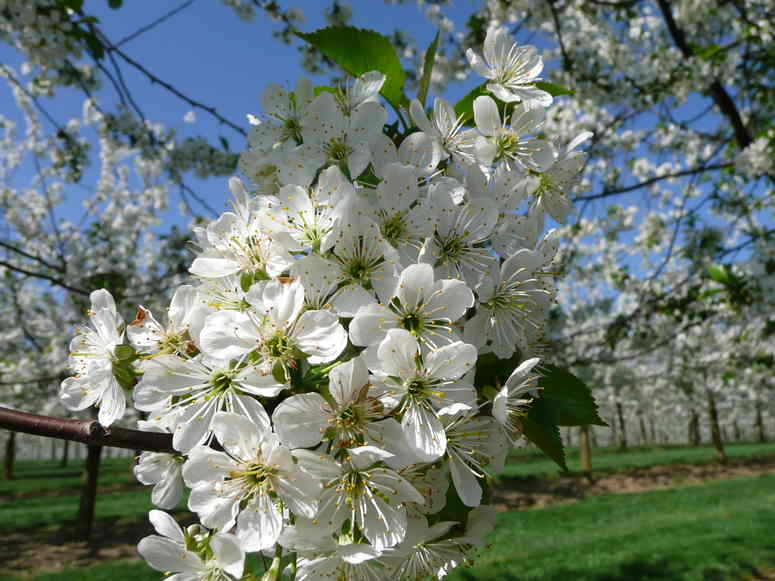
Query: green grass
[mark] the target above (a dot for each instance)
(710, 532)
(713, 532)
(114, 571)
(529, 464)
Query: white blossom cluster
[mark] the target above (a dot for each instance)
(319, 378)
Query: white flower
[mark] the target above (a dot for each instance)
(92, 354)
(186, 315)
(362, 490)
(168, 552)
(276, 329)
(512, 305)
(501, 143)
(425, 307)
(420, 386)
(309, 217)
(511, 69)
(334, 139)
(510, 403)
(162, 470)
(444, 128)
(323, 557)
(458, 247)
(424, 552)
(240, 243)
(558, 180)
(473, 443)
(199, 388)
(350, 418)
(250, 482)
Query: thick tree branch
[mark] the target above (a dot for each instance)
(720, 95)
(85, 431)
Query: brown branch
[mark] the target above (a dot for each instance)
(85, 431)
(623, 190)
(112, 48)
(53, 280)
(717, 91)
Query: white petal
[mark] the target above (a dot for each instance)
(238, 435)
(301, 420)
(319, 335)
(228, 554)
(451, 361)
(165, 555)
(424, 433)
(165, 525)
(228, 335)
(486, 115)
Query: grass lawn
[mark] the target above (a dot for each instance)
(715, 531)
(534, 464)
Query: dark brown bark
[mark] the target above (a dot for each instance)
(10, 456)
(761, 436)
(84, 431)
(736, 431)
(719, 94)
(65, 453)
(694, 429)
(622, 427)
(715, 431)
(644, 438)
(585, 451)
(89, 492)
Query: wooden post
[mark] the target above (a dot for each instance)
(585, 452)
(694, 429)
(65, 453)
(759, 424)
(622, 428)
(10, 456)
(89, 492)
(715, 431)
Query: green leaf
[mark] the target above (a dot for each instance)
(720, 274)
(553, 89)
(492, 371)
(567, 398)
(539, 427)
(359, 51)
(115, 4)
(427, 69)
(464, 108)
(224, 142)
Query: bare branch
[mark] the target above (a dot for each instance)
(720, 95)
(53, 280)
(614, 192)
(85, 431)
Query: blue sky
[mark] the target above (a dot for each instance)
(210, 54)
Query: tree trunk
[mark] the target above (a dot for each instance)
(65, 453)
(694, 429)
(643, 435)
(593, 437)
(759, 425)
(585, 452)
(652, 429)
(736, 431)
(89, 492)
(622, 428)
(10, 456)
(715, 431)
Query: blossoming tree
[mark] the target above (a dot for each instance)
(362, 340)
